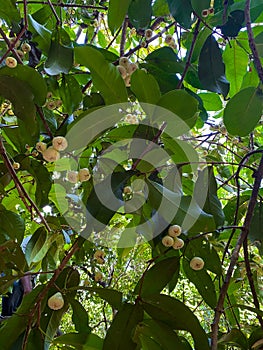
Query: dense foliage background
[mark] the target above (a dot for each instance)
(185, 78)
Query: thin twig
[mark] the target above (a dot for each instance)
(42, 117)
(54, 12)
(123, 35)
(242, 237)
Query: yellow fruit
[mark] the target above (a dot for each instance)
(197, 263)
(16, 165)
(59, 143)
(84, 175)
(73, 176)
(178, 243)
(99, 254)
(167, 241)
(98, 277)
(41, 147)
(174, 230)
(56, 302)
(51, 155)
(11, 62)
(26, 47)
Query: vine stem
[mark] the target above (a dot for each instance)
(188, 62)
(241, 239)
(251, 42)
(50, 284)
(22, 192)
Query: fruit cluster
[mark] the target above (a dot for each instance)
(172, 240)
(51, 154)
(126, 68)
(75, 176)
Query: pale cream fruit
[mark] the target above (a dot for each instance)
(98, 277)
(84, 175)
(59, 143)
(127, 81)
(127, 190)
(172, 44)
(51, 154)
(56, 302)
(49, 94)
(73, 176)
(99, 254)
(132, 68)
(178, 243)
(20, 53)
(174, 230)
(41, 146)
(26, 47)
(122, 71)
(59, 103)
(168, 241)
(131, 119)
(51, 105)
(11, 62)
(16, 165)
(197, 263)
(125, 62)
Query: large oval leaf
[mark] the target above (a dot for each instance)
(116, 13)
(243, 111)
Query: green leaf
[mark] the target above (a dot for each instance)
(32, 78)
(116, 13)
(243, 111)
(211, 101)
(80, 317)
(43, 33)
(113, 297)
(80, 341)
(60, 54)
(212, 205)
(211, 69)
(234, 23)
(12, 224)
(236, 61)
(177, 315)
(155, 279)
(160, 8)
(148, 343)
(106, 76)
(120, 333)
(256, 227)
(181, 10)
(9, 11)
(165, 59)
(183, 105)
(203, 283)
(37, 247)
(179, 209)
(140, 12)
(145, 87)
(234, 337)
(70, 93)
(19, 93)
(259, 44)
(200, 5)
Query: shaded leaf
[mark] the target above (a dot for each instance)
(211, 69)
(145, 87)
(234, 23)
(42, 31)
(12, 225)
(181, 10)
(234, 337)
(243, 111)
(37, 247)
(60, 54)
(80, 316)
(80, 341)
(70, 93)
(200, 5)
(113, 297)
(140, 12)
(116, 13)
(177, 315)
(165, 59)
(9, 11)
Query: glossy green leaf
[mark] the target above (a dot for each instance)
(236, 61)
(139, 13)
(206, 185)
(179, 209)
(19, 93)
(165, 59)
(181, 10)
(155, 279)
(113, 297)
(80, 341)
(42, 31)
(200, 5)
(70, 93)
(177, 315)
(9, 11)
(211, 69)
(12, 224)
(106, 76)
(32, 78)
(60, 54)
(250, 78)
(234, 23)
(145, 87)
(211, 101)
(243, 111)
(37, 246)
(116, 13)
(259, 44)
(203, 283)
(80, 316)
(120, 333)
(160, 8)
